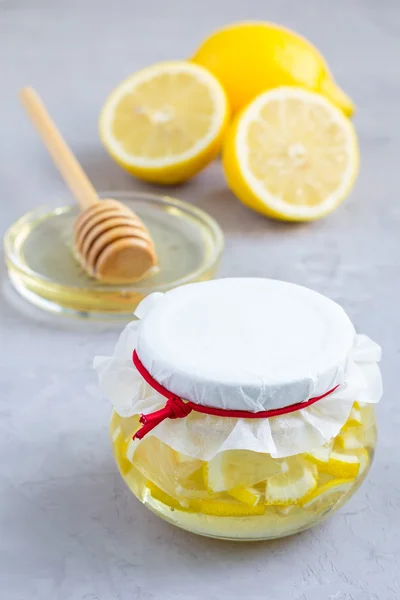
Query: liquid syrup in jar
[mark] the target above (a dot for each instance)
(244, 494)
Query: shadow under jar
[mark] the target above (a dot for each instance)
(243, 408)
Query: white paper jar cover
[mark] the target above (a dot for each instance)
(243, 344)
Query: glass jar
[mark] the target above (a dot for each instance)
(177, 488)
(208, 462)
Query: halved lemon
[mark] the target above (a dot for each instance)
(291, 155)
(166, 122)
(328, 492)
(238, 468)
(296, 481)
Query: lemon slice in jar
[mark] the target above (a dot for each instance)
(326, 493)
(226, 508)
(187, 466)
(369, 437)
(284, 511)
(344, 465)
(350, 439)
(291, 155)
(250, 496)
(166, 122)
(192, 486)
(238, 468)
(116, 432)
(119, 445)
(120, 449)
(363, 457)
(156, 461)
(127, 425)
(115, 426)
(323, 453)
(355, 417)
(296, 481)
(158, 494)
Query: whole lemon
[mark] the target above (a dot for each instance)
(249, 58)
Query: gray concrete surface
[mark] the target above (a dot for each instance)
(69, 529)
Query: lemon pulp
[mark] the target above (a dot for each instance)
(166, 122)
(291, 155)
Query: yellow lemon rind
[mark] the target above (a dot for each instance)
(341, 465)
(249, 190)
(226, 508)
(250, 496)
(333, 486)
(244, 57)
(278, 494)
(175, 168)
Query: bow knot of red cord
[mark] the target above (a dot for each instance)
(176, 408)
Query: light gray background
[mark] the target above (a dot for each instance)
(69, 529)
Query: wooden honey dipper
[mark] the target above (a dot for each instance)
(111, 242)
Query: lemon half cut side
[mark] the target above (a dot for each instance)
(291, 155)
(165, 122)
